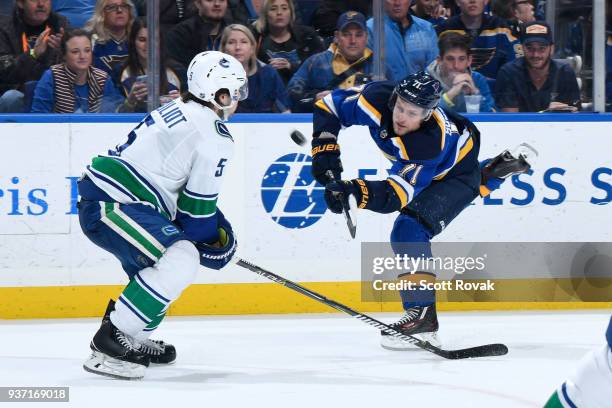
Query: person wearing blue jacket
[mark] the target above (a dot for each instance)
(411, 43)
(452, 69)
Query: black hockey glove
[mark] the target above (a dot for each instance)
(326, 156)
(218, 254)
(338, 192)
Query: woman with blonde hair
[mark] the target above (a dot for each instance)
(280, 41)
(267, 92)
(110, 28)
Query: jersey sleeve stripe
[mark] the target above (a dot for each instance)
(328, 100)
(369, 110)
(321, 105)
(397, 142)
(441, 123)
(187, 213)
(403, 189)
(196, 207)
(198, 195)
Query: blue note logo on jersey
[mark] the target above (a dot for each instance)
(290, 194)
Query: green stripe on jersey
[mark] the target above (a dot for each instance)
(554, 402)
(122, 176)
(198, 207)
(143, 301)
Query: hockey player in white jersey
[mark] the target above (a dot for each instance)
(151, 202)
(590, 386)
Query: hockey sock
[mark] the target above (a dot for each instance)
(422, 294)
(144, 302)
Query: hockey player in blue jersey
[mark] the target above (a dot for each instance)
(152, 203)
(435, 173)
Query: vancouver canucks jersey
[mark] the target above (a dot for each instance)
(446, 145)
(174, 160)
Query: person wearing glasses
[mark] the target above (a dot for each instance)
(110, 28)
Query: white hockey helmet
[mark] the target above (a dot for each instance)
(211, 71)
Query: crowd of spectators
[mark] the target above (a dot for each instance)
(67, 56)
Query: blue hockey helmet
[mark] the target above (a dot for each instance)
(420, 89)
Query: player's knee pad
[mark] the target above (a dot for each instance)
(176, 269)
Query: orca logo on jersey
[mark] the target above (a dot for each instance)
(289, 193)
(223, 130)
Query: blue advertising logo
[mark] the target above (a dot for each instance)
(290, 194)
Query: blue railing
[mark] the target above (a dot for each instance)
(298, 118)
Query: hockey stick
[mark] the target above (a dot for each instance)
(300, 140)
(472, 352)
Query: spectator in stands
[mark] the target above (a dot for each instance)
(492, 41)
(29, 44)
(171, 12)
(78, 12)
(244, 12)
(326, 16)
(280, 42)
(133, 74)
(6, 8)
(199, 33)
(452, 69)
(110, 27)
(536, 82)
(429, 10)
(267, 93)
(346, 63)
(515, 12)
(410, 42)
(609, 68)
(75, 86)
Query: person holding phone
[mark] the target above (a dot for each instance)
(133, 75)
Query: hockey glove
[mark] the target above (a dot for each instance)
(326, 156)
(338, 192)
(218, 254)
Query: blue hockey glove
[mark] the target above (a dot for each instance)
(326, 156)
(218, 254)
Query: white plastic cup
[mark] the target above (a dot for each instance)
(472, 103)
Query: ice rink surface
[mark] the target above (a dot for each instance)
(310, 361)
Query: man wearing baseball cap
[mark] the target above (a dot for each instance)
(346, 63)
(536, 82)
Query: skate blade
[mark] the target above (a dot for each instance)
(102, 364)
(395, 344)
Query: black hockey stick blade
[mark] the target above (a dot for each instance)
(487, 350)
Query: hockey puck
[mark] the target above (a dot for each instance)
(298, 137)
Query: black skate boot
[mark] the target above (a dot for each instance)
(114, 354)
(508, 163)
(420, 322)
(158, 351)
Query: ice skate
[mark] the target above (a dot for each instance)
(159, 352)
(420, 322)
(508, 163)
(115, 355)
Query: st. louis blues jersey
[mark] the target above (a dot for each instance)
(173, 160)
(446, 145)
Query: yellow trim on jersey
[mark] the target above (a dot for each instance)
(369, 109)
(442, 124)
(493, 32)
(400, 192)
(320, 104)
(465, 149)
(484, 191)
(388, 156)
(397, 141)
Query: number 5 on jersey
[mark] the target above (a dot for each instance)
(220, 168)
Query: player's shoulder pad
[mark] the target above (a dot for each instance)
(222, 130)
(377, 95)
